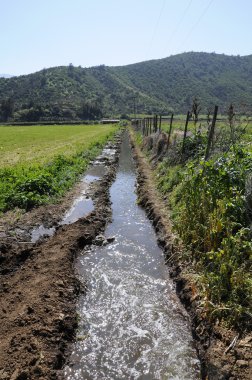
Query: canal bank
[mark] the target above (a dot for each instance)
(224, 353)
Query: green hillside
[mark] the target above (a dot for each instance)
(72, 93)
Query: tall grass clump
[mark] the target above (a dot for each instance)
(212, 218)
(211, 208)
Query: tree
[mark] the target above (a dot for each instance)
(6, 109)
(70, 70)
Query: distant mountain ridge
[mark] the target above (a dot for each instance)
(6, 76)
(68, 92)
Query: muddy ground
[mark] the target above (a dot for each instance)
(38, 287)
(224, 353)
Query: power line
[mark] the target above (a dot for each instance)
(179, 22)
(156, 26)
(197, 22)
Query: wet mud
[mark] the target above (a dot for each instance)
(38, 287)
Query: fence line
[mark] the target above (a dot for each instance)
(153, 124)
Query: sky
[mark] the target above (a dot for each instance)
(37, 34)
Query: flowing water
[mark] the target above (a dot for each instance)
(132, 326)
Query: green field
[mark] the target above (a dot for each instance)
(20, 145)
(40, 163)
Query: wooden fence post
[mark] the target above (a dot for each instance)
(170, 129)
(185, 131)
(156, 124)
(211, 133)
(160, 123)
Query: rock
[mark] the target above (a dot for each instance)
(61, 316)
(60, 283)
(246, 342)
(242, 363)
(81, 338)
(100, 240)
(110, 239)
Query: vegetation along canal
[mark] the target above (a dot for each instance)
(132, 325)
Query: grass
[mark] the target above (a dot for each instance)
(19, 145)
(178, 127)
(211, 209)
(40, 163)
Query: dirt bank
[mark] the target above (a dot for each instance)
(38, 287)
(224, 353)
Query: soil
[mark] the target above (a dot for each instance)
(224, 353)
(38, 287)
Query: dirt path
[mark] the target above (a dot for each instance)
(38, 287)
(220, 360)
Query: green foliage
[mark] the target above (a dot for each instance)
(211, 215)
(40, 144)
(159, 86)
(31, 184)
(168, 176)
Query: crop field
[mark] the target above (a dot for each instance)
(19, 145)
(39, 163)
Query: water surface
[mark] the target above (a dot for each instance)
(132, 326)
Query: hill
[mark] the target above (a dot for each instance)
(69, 92)
(5, 76)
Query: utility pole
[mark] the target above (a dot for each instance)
(134, 100)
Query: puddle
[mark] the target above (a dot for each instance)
(94, 173)
(132, 325)
(81, 207)
(107, 155)
(41, 231)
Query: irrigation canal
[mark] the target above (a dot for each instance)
(132, 325)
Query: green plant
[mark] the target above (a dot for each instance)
(211, 214)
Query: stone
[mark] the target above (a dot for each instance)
(111, 239)
(60, 283)
(100, 240)
(241, 363)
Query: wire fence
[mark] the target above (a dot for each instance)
(218, 132)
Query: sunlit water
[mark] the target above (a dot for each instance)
(82, 205)
(132, 325)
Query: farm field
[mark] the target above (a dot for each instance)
(39, 163)
(19, 145)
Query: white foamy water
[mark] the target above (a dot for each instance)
(132, 325)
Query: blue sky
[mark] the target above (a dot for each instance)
(43, 33)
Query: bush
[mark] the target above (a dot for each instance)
(212, 213)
